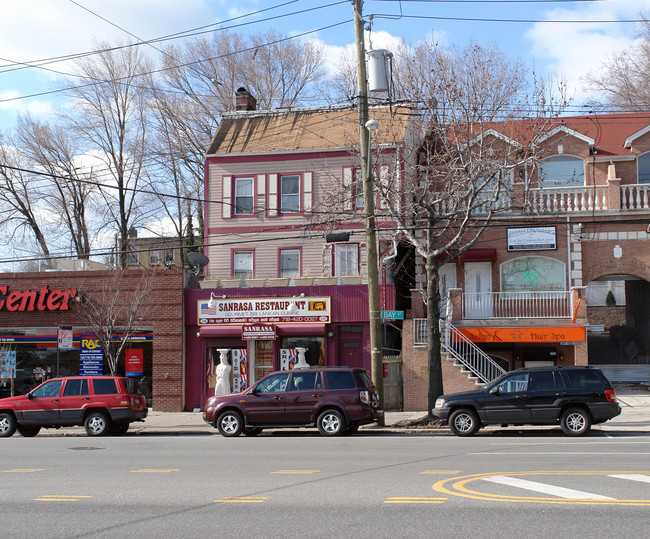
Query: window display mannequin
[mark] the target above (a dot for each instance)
(223, 374)
(302, 362)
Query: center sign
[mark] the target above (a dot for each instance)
(264, 310)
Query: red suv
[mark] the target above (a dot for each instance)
(102, 404)
(337, 400)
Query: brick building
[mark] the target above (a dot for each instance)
(533, 290)
(33, 305)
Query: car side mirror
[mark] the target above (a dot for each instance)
(494, 390)
(29, 395)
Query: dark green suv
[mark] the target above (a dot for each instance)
(572, 397)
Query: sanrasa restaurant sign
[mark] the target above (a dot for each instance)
(264, 310)
(45, 299)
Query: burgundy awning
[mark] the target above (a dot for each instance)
(282, 329)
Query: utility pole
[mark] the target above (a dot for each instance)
(377, 371)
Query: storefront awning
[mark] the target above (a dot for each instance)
(473, 255)
(282, 329)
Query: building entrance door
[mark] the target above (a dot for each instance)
(350, 349)
(478, 290)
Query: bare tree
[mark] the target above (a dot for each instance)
(116, 312)
(111, 103)
(624, 80)
(20, 196)
(52, 148)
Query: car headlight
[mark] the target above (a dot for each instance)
(440, 402)
(211, 401)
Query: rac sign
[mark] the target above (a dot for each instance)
(45, 299)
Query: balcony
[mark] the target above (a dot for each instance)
(516, 305)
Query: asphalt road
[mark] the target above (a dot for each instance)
(303, 485)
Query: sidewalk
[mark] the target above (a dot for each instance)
(634, 418)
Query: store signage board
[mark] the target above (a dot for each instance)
(45, 299)
(7, 364)
(532, 239)
(258, 332)
(264, 310)
(91, 358)
(392, 315)
(573, 334)
(65, 337)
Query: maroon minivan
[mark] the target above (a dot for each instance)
(337, 400)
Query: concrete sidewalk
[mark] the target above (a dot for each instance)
(634, 418)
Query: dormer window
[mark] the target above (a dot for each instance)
(562, 171)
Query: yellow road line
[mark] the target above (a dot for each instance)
(61, 498)
(414, 499)
(244, 499)
(297, 472)
(24, 470)
(154, 470)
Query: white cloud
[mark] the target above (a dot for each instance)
(571, 51)
(9, 103)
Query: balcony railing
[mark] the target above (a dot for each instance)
(635, 197)
(568, 199)
(516, 305)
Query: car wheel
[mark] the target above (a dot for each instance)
(463, 422)
(97, 424)
(7, 425)
(119, 430)
(575, 422)
(331, 423)
(28, 432)
(252, 431)
(230, 423)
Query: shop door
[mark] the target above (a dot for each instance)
(351, 350)
(478, 290)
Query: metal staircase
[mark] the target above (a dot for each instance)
(469, 356)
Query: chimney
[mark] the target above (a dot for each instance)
(244, 100)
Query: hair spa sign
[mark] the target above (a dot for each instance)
(45, 299)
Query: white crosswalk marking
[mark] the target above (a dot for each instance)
(633, 477)
(544, 488)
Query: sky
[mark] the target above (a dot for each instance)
(32, 30)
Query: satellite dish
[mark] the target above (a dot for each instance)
(198, 261)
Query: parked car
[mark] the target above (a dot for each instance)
(102, 404)
(573, 397)
(336, 400)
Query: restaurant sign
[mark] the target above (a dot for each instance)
(264, 310)
(258, 332)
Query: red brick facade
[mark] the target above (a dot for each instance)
(164, 307)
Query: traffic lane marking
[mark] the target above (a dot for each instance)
(414, 499)
(24, 470)
(244, 499)
(296, 472)
(632, 477)
(61, 498)
(156, 470)
(543, 488)
(459, 488)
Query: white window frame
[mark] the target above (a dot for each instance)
(154, 257)
(346, 259)
(295, 206)
(239, 183)
(243, 259)
(290, 272)
(576, 179)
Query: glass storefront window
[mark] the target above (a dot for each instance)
(532, 274)
(315, 354)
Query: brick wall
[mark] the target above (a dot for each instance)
(164, 308)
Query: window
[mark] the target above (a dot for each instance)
(104, 386)
(244, 196)
(346, 259)
(542, 381)
(242, 264)
(340, 380)
(48, 390)
(583, 379)
(169, 257)
(358, 189)
(273, 384)
(289, 262)
(75, 387)
(290, 194)
(133, 258)
(514, 383)
(643, 165)
(562, 171)
(305, 381)
(154, 258)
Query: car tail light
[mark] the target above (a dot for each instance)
(364, 396)
(610, 395)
